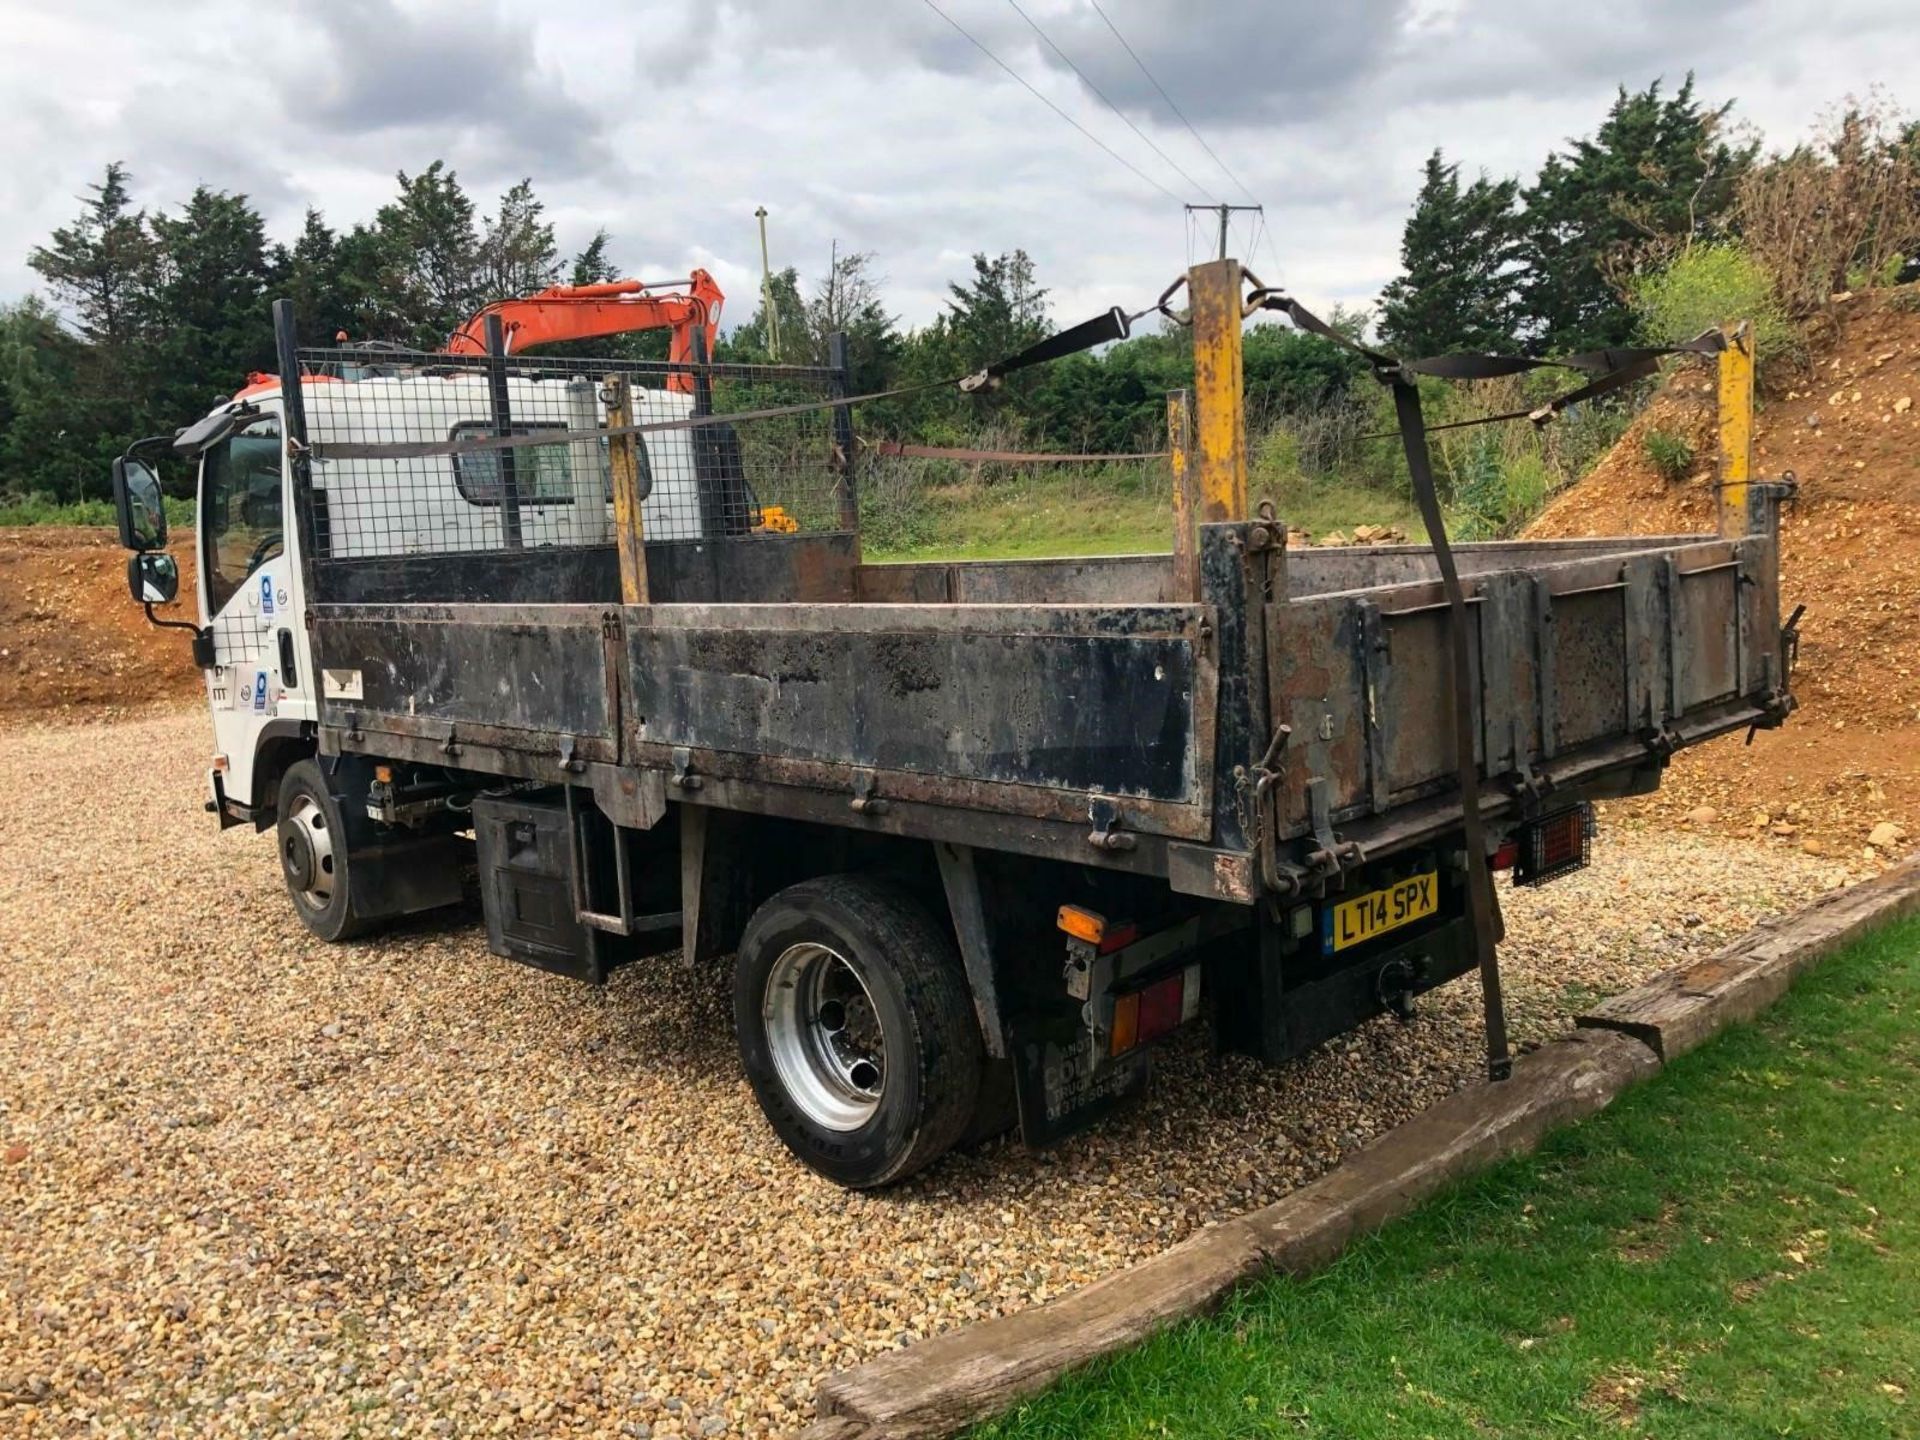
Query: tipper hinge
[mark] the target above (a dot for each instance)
(1661, 741)
(866, 799)
(1331, 857)
(1106, 833)
(681, 776)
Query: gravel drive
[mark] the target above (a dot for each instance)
(253, 1184)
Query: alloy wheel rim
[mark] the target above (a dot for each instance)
(824, 1035)
(312, 874)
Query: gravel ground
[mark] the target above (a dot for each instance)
(251, 1184)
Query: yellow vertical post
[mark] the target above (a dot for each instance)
(1186, 540)
(1736, 429)
(1220, 420)
(622, 455)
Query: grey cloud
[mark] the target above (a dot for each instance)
(467, 70)
(872, 123)
(1238, 62)
(1502, 51)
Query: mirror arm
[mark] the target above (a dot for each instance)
(159, 624)
(156, 443)
(203, 655)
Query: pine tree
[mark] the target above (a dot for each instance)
(591, 266)
(101, 265)
(51, 442)
(752, 343)
(309, 274)
(1456, 289)
(426, 247)
(846, 301)
(211, 324)
(1656, 176)
(1002, 311)
(103, 268)
(516, 254)
(372, 289)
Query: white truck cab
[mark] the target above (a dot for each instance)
(252, 644)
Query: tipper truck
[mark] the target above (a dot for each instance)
(598, 638)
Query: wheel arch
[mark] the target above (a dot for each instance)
(732, 863)
(280, 745)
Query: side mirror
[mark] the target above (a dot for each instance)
(153, 576)
(137, 504)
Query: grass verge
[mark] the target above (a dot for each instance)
(1115, 510)
(1732, 1250)
(21, 510)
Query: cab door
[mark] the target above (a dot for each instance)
(251, 598)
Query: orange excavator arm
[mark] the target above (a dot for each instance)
(616, 307)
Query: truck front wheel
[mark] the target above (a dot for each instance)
(856, 1029)
(316, 854)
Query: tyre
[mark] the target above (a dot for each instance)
(856, 1029)
(316, 854)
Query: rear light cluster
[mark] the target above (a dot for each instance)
(1084, 924)
(1159, 1009)
(1554, 845)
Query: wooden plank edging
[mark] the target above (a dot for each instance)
(958, 1378)
(1675, 1012)
(952, 1380)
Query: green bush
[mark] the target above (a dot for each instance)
(39, 509)
(1671, 455)
(1714, 285)
(1883, 276)
(1496, 491)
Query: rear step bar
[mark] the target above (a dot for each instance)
(624, 921)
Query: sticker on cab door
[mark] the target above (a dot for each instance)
(266, 594)
(341, 685)
(259, 692)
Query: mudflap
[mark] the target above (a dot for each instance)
(1059, 1091)
(413, 873)
(1287, 1003)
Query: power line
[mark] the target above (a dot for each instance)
(1049, 104)
(1124, 118)
(1169, 99)
(1263, 232)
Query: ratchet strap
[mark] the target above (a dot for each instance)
(1114, 325)
(1610, 369)
(1489, 928)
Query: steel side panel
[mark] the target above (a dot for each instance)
(1589, 699)
(1317, 687)
(1000, 707)
(1568, 658)
(1414, 709)
(1708, 624)
(499, 670)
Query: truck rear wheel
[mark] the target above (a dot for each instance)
(316, 854)
(856, 1029)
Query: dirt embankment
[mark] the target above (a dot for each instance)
(72, 642)
(1848, 426)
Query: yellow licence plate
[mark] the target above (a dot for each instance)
(1368, 916)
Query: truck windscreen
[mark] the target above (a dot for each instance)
(240, 508)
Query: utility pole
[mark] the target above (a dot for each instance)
(1225, 211)
(766, 290)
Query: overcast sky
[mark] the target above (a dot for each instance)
(874, 122)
